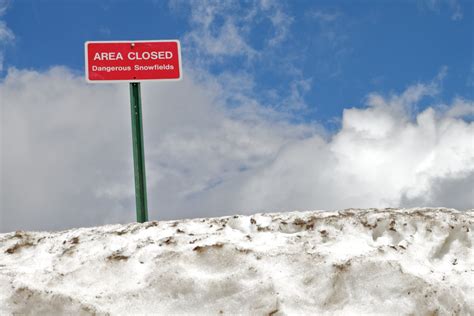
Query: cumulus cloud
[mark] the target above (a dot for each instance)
(379, 158)
(66, 147)
(64, 143)
(66, 152)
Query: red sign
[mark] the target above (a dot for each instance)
(133, 61)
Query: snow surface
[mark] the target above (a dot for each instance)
(351, 262)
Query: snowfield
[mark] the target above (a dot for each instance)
(351, 262)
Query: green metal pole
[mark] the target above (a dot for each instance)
(138, 153)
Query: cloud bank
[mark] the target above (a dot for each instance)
(66, 153)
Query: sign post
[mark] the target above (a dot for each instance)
(133, 62)
(138, 153)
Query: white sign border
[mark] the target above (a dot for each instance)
(128, 80)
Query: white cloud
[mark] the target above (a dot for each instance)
(325, 16)
(66, 148)
(456, 10)
(379, 158)
(6, 34)
(62, 141)
(222, 28)
(224, 31)
(66, 152)
(460, 108)
(219, 29)
(280, 20)
(4, 6)
(295, 100)
(453, 6)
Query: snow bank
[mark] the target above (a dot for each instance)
(391, 262)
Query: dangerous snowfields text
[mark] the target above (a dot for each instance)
(136, 68)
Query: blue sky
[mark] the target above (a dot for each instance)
(284, 105)
(341, 49)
